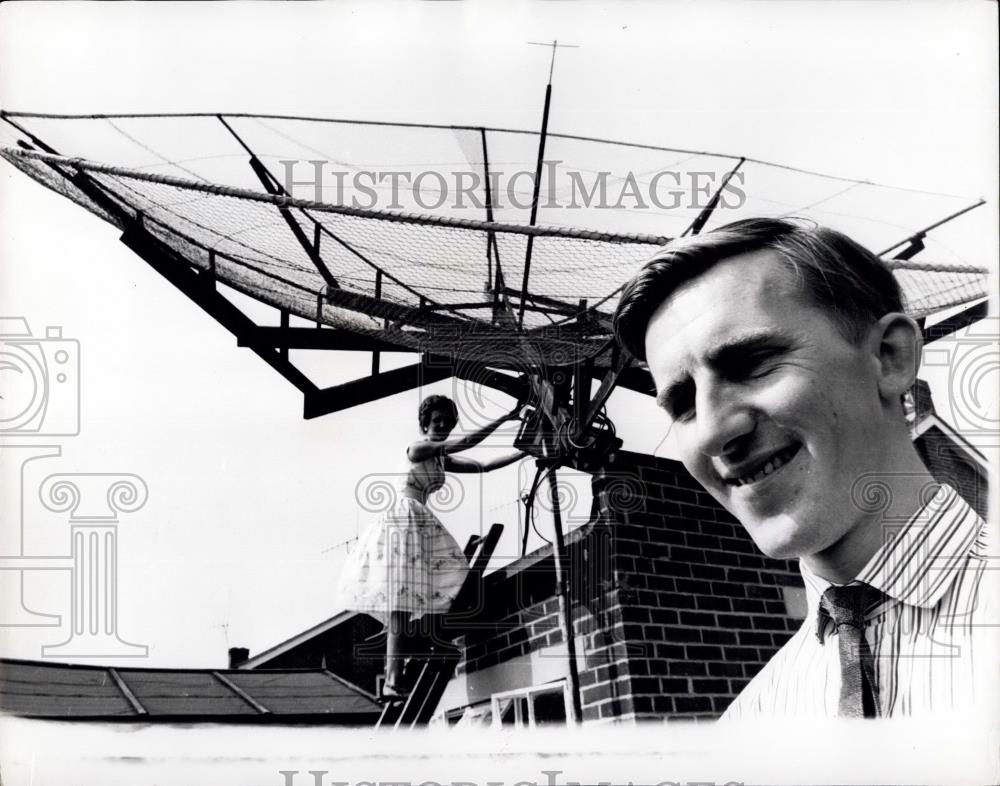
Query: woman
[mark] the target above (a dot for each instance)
(407, 564)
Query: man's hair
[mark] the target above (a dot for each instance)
(848, 281)
(436, 403)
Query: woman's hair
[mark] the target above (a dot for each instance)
(848, 281)
(432, 403)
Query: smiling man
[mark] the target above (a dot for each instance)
(780, 353)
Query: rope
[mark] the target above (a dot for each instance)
(415, 218)
(934, 267)
(382, 215)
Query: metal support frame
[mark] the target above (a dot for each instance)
(360, 391)
(285, 338)
(197, 285)
(956, 322)
(554, 305)
(620, 363)
(636, 379)
(272, 186)
(515, 387)
(915, 247)
(923, 232)
(702, 218)
(582, 373)
(490, 236)
(200, 287)
(283, 331)
(376, 355)
(191, 283)
(495, 283)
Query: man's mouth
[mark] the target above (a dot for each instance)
(773, 464)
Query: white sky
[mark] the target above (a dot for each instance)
(245, 497)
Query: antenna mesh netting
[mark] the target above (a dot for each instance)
(402, 277)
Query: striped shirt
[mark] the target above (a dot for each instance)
(931, 629)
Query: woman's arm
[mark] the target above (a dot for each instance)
(461, 464)
(424, 449)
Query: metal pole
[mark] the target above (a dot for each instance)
(490, 237)
(376, 355)
(538, 175)
(536, 186)
(698, 224)
(562, 589)
(935, 225)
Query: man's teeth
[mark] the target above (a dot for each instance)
(775, 462)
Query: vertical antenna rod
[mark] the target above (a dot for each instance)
(536, 186)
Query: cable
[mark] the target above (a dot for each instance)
(529, 508)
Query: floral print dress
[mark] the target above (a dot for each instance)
(407, 560)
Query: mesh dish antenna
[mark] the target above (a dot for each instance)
(480, 281)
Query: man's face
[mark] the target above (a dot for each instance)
(775, 412)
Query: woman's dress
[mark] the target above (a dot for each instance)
(406, 561)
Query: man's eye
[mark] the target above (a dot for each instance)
(681, 407)
(765, 366)
(753, 364)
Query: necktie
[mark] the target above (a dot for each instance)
(858, 691)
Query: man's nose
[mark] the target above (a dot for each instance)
(724, 420)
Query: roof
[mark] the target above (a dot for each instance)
(268, 655)
(80, 692)
(935, 421)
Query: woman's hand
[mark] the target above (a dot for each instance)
(522, 409)
(521, 412)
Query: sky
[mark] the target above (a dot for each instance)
(250, 508)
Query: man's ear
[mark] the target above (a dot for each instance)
(898, 342)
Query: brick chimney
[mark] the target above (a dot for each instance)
(675, 609)
(238, 656)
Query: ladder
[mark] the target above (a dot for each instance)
(426, 674)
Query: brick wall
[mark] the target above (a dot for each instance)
(675, 609)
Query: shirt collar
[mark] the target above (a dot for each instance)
(919, 559)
